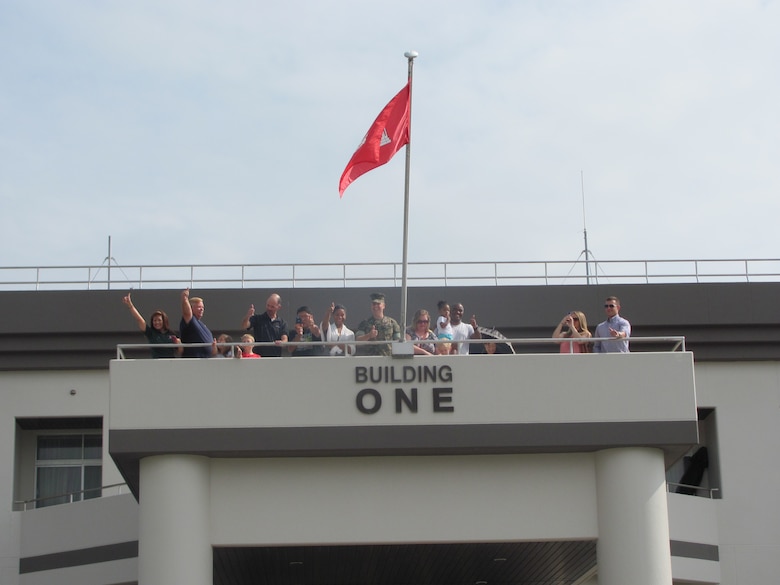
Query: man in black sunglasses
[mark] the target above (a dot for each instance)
(615, 327)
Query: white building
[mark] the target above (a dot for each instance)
(509, 469)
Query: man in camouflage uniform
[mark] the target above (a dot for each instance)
(378, 327)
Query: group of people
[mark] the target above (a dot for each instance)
(611, 334)
(448, 335)
(166, 344)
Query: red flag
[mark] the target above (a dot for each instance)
(388, 133)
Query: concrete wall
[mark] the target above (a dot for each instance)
(746, 398)
(91, 543)
(31, 394)
(481, 389)
(403, 499)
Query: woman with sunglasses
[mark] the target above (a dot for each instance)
(573, 327)
(420, 331)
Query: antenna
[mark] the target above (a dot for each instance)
(107, 263)
(588, 254)
(586, 251)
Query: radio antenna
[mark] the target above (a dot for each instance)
(107, 261)
(586, 251)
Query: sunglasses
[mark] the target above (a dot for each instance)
(610, 306)
(423, 321)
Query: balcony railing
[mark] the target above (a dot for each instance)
(207, 276)
(667, 344)
(70, 497)
(693, 490)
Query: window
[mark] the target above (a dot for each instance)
(698, 472)
(57, 456)
(68, 467)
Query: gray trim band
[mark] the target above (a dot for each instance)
(76, 558)
(402, 440)
(128, 550)
(128, 446)
(695, 550)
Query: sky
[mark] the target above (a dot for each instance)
(196, 132)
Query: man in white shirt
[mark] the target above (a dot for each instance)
(462, 332)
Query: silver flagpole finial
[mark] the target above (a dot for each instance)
(411, 54)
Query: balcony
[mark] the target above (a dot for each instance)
(329, 407)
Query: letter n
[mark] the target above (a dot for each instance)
(401, 398)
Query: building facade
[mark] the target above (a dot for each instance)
(526, 468)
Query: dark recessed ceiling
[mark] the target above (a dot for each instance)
(42, 423)
(523, 563)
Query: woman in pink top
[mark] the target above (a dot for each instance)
(573, 326)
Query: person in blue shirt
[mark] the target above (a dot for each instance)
(193, 329)
(615, 327)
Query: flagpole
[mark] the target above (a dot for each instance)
(410, 56)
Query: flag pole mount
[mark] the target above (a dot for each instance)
(411, 54)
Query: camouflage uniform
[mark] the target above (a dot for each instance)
(387, 329)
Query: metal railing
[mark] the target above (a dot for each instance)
(205, 276)
(672, 343)
(696, 490)
(70, 497)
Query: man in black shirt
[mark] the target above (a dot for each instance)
(267, 327)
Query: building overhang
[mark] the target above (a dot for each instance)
(442, 405)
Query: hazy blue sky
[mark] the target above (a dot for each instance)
(205, 132)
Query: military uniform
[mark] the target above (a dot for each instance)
(387, 329)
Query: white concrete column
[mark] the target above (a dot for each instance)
(174, 542)
(633, 520)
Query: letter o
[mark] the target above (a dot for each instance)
(359, 401)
